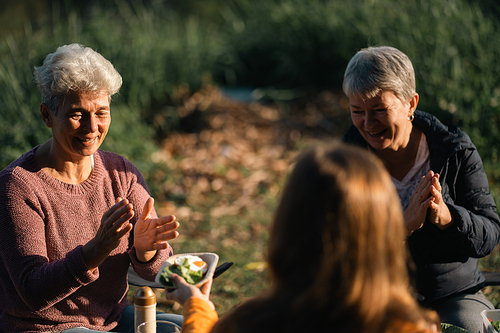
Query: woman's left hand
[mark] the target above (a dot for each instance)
(184, 291)
(439, 214)
(151, 234)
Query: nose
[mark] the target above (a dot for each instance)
(90, 123)
(369, 120)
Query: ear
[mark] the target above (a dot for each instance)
(46, 115)
(413, 103)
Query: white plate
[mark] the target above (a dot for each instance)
(489, 314)
(210, 258)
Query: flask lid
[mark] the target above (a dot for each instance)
(145, 296)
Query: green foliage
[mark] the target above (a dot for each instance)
(287, 44)
(152, 48)
(297, 43)
(167, 49)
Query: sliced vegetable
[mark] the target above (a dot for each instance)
(495, 324)
(183, 270)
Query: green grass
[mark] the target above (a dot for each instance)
(167, 50)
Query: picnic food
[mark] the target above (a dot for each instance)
(191, 268)
(495, 324)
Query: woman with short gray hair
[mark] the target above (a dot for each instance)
(450, 216)
(75, 68)
(74, 217)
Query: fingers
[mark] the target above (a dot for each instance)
(162, 240)
(185, 290)
(167, 236)
(110, 211)
(435, 182)
(435, 192)
(424, 181)
(122, 215)
(167, 223)
(167, 230)
(422, 191)
(427, 184)
(207, 287)
(426, 195)
(114, 226)
(148, 208)
(118, 209)
(182, 292)
(179, 281)
(118, 215)
(164, 226)
(171, 294)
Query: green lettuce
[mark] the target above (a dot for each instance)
(190, 276)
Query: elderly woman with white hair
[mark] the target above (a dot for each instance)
(450, 216)
(74, 217)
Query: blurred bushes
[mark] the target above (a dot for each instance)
(153, 49)
(163, 49)
(307, 44)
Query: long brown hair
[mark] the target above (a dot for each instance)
(337, 241)
(336, 252)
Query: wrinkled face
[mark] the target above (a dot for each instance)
(80, 125)
(383, 120)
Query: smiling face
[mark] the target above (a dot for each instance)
(80, 125)
(383, 120)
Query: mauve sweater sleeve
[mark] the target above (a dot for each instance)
(24, 252)
(44, 224)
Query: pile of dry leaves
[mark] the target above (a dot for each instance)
(225, 170)
(238, 150)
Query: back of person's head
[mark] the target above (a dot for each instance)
(336, 248)
(75, 68)
(376, 69)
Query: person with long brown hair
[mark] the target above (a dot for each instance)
(336, 256)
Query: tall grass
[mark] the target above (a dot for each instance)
(166, 49)
(308, 44)
(292, 44)
(153, 49)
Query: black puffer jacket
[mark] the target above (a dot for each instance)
(446, 260)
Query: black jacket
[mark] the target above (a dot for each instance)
(446, 260)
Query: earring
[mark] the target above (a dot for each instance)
(411, 117)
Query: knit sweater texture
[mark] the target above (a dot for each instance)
(45, 284)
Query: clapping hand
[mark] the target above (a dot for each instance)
(151, 234)
(416, 211)
(427, 195)
(115, 224)
(439, 214)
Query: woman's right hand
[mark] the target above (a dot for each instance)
(420, 201)
(185, 290)
(114, 226)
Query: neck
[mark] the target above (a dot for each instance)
(67, 170)
(399, 162)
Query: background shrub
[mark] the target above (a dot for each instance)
(289, 49)
(289, 44)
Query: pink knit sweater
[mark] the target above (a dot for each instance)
(44, 282)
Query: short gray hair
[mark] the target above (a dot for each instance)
(75, 68)
(376, 69)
